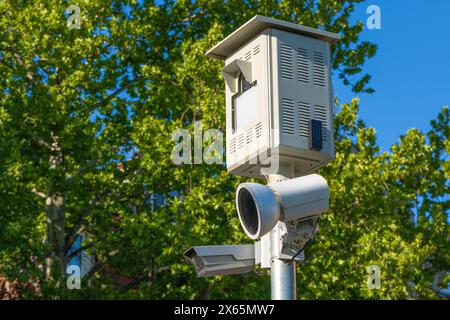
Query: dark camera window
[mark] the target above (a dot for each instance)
(244, 85)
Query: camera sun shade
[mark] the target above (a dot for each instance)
(261, 207)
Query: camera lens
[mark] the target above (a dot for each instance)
(249, 212)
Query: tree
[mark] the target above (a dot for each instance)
(387, 209)
(86, 117)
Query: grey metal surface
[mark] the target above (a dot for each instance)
(282, 275)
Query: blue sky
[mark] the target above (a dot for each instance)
(411, 70)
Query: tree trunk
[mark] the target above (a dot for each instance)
(55, 216)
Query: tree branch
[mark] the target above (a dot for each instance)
(79, 250)
(38, 193)
(41, 141)
(81, 225)
(94, 269)
(118, 91)
(143, 277)
(82, 169)
(74, 232)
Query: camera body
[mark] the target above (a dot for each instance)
(261, 207)
(225, 259)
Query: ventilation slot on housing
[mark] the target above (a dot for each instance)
(304, 116)
(321, 115)
(302, 65)
(232, 146)
(240, 141)
(288, 121)
(319, 69)
(256, 50)
(248, 55)
(286, 61)
(258, 130)
(249, 136)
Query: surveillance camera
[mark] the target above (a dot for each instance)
(261, 207)
(221, 260)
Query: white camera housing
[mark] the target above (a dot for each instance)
(278, 96)
(261, 207)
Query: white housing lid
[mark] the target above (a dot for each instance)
(255, 26)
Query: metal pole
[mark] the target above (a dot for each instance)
(282, 275)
